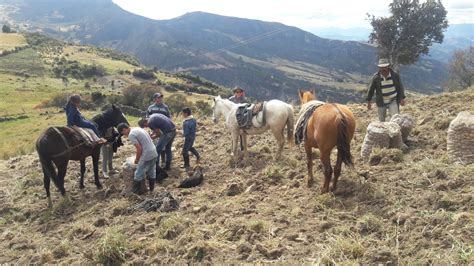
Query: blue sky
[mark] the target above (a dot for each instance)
(305, 14)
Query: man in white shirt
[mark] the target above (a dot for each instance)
(145, 157)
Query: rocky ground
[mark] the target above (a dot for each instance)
(400, 208)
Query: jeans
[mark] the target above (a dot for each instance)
(107, 153)
(188, 147)
(148, 168)
(392, 109)
(165, 142)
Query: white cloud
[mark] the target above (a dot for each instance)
(300, 13)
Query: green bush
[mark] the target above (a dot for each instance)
(203, 107)
(144, 73)
(177, 102)
(139, 96)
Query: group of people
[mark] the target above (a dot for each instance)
(385, 84)
(147, 157)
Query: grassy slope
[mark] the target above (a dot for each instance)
(23, 94)
(11, 40)
(412, 208)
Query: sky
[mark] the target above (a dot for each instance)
(305, 14)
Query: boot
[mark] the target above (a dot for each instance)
(151, 183)
(160, 174)
(186, 162)
(167, 166)
(136, 187)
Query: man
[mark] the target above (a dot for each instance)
(157, 123)
(145, 158)
(158, 107)
(239, 96)
(388, 88)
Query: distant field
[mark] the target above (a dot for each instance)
(24, 61)
(9, 41)
(83, 56)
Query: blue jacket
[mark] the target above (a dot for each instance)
(189, 128)
(74, 118)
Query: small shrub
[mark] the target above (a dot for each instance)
(203, 107)
(144, 73)
(177, 102)
(111, 247)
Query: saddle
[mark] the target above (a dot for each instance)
(85, 135)
(246, 112)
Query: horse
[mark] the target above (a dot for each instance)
(330, 125)
(59, 145)
(276, 115)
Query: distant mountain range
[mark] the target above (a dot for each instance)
(457, 36)
(270, 60)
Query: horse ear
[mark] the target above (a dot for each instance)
(114, 107)
(300, 92)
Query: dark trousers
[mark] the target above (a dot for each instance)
(188, 147)
(165, 142)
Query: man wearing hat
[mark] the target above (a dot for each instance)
(239, 96)
(388, 89)
(158, 107)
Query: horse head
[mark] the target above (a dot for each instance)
(114, 116)
(216, 108)
(306, 96)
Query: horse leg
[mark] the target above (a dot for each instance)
(235, 144)
(47, 183)
(244, 144)
(326, 160)
(62, 167)
(309, 164)
(280, 138)
(83, 171)
(95, 163)
(337, 171)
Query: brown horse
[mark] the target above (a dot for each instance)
(58, 145)
(331, 125)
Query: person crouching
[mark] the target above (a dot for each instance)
(145, 158)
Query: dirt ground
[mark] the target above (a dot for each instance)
(412, 207)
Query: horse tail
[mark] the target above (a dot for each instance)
(46, 163)
(290, 126)
(343, 141)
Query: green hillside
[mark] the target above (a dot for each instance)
(38, 73)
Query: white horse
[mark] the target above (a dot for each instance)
(277, 115)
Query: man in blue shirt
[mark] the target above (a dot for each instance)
(157, 123)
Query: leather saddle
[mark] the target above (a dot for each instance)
(246, 112)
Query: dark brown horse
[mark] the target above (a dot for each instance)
(331, 125)
(59, 145)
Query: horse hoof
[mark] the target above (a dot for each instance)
(309, 182)
(99, 186)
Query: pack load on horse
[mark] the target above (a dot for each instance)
(325, 126)
(274, 116)
(58, 145)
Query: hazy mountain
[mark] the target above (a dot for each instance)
(269, 59)
(457, 36)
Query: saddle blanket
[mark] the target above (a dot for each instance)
(86, 133)
(305, 114)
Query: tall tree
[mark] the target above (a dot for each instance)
(461, 70)
(410, 30)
